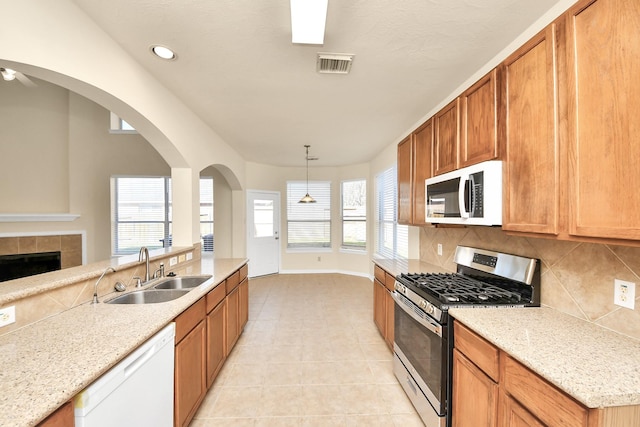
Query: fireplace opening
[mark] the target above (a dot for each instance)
(21, 265)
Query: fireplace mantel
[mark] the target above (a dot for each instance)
(37, 217)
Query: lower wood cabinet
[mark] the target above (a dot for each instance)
(216, 332)
(62, 417)
(190, 385)
(205, 335)
(490, 389)
(233, 329)
(383, 304)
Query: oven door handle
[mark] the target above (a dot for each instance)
(430, 325)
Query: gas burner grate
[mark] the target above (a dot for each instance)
(457, 289)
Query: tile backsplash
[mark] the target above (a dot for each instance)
(577, 278)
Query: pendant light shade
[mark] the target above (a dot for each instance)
(307, 198)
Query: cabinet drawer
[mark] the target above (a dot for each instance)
(378, 273)
(244, 272)
(189, 319)
(389, 282)
(232, 281)
(547, 403)
(215, 296)
(483, 354)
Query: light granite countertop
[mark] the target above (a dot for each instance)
(47, 363)
(596, 366)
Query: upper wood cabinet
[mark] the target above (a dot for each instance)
(405, 181)
(414, 166)
(603, 85)
(479, 121)
(447, 138)
(529, 117)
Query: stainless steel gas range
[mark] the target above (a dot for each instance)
(423, 336)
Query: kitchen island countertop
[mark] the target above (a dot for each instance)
(47, 363)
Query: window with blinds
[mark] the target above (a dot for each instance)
(392, 238)
(141, 212)
(308, 224)
(354, 214)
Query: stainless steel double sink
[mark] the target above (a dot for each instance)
(164, 290)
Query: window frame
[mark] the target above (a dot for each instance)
(386, 196)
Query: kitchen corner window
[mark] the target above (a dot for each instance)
(141, 213)
(392, 238)
(119, 125)
(308, 224)
(354, 214)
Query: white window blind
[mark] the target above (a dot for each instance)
(309, 224)
(142, 213)
(392, 239)
(354, 214)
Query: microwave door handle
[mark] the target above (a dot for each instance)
(462, 199)
(472, 195)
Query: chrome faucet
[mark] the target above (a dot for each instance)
(144, 256)
(95, 288)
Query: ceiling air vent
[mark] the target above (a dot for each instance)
(334, 63)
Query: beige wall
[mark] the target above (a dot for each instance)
(70, 158)
(577, 278)
(34, 159)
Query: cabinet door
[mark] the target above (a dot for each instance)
(379, 306)
(531, 169)
(243, 304)
(62, 417)
(422, 153)
(388, 324)
(474, 395)
(405, 181)
(514, 415)
(190, 382)
(479, 121)
(232, 319)
(447, 136)
(215, 342)
(603, 65)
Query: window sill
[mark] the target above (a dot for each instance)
(308, 250)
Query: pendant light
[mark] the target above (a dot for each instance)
(307, 198)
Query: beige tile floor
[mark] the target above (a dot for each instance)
(310, 355)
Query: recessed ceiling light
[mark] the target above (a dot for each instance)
(163, 52)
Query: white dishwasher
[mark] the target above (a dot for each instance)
(138, 391)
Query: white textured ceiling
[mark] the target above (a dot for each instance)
(238, 70)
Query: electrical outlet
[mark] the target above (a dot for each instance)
(624, 293)
(7, 315)
(319, 259)
(173, 261)
(440, 249)
(181, 258)
(189, 256)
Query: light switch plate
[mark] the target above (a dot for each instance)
(7, 315)
(624, 293)
(173, 261)
(189, 256)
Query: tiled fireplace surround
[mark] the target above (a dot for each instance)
(69, 245)
(577, 278)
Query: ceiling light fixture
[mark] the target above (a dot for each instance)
(308, 19)
(307, 198)
(163, 52)
(8, 74)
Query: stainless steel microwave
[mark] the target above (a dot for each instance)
(471, 195)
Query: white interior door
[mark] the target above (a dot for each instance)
(263, 232)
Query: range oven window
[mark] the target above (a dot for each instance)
(426, 351)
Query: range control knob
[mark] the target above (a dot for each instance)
(423, 304)
(431, 309)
